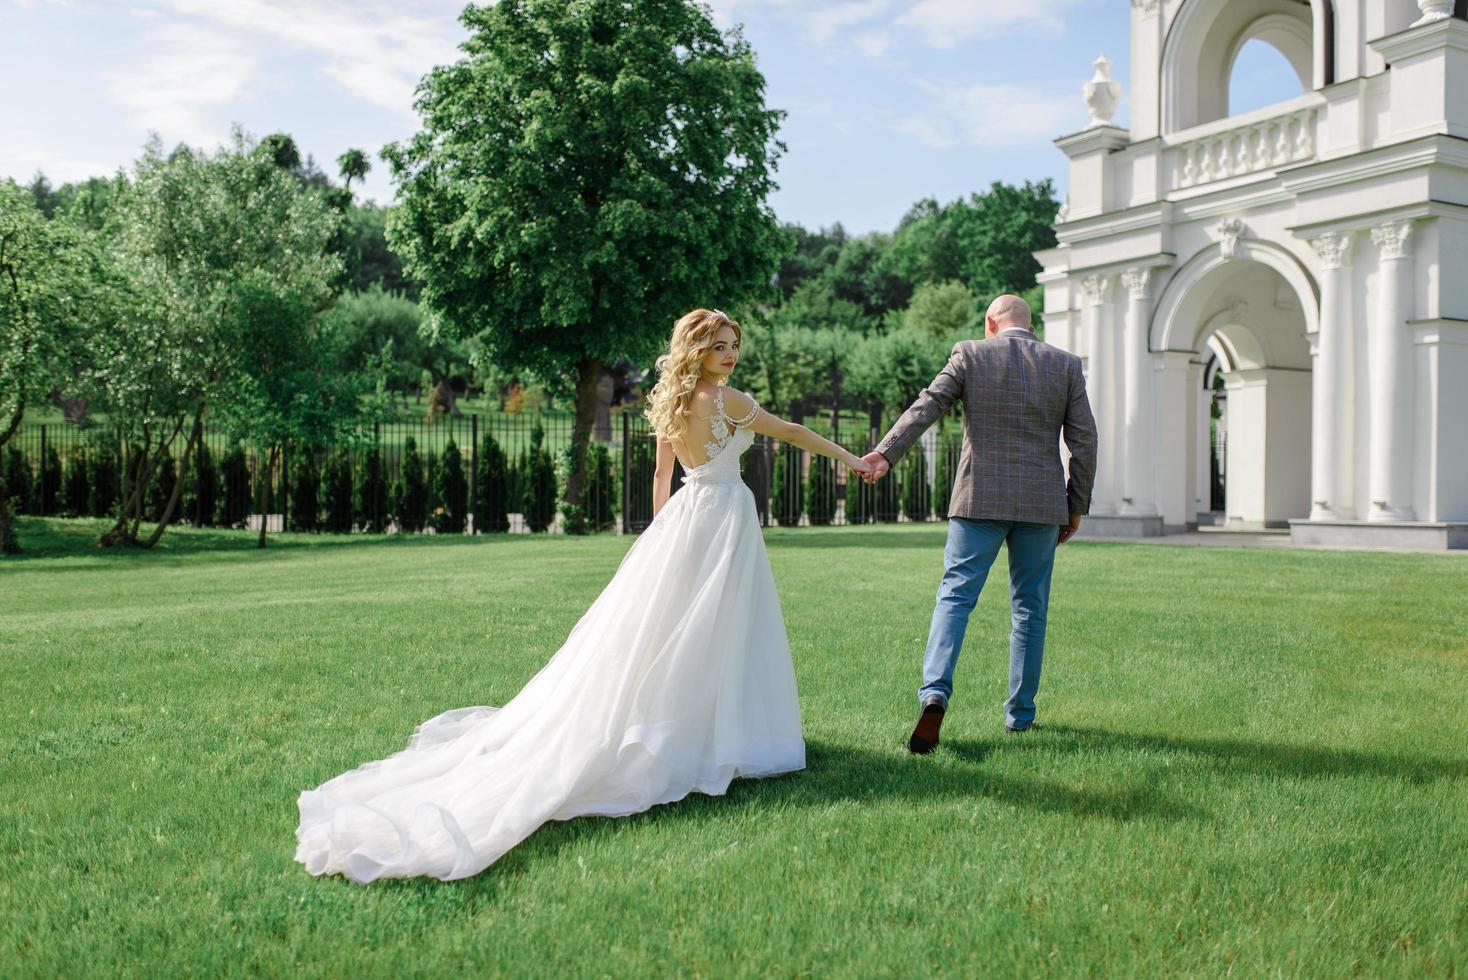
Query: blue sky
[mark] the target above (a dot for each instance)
(889, 101)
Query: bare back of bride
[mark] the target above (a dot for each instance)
(677, 679)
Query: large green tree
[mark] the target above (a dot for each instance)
(201, 237)
(53, 287)
(585, 174)
(983, 242)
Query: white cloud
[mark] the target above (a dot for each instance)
(187, 72)
(206, 55)
(944, 23)
(375, 50)
(1002, 115)
(27, 152)
(872, 27)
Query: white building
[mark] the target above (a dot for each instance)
(1313, 252)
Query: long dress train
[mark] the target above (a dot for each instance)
(677, 679)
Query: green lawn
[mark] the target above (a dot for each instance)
(1252, 762)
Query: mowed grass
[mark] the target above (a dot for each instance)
(1251, 762)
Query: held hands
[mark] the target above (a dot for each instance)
(860, 467)
(877, 466)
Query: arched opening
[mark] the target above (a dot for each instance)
(1205, 42)
(1244, 460)
(1261, 76)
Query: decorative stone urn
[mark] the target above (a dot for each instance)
(1434, 10)
(1102, 94)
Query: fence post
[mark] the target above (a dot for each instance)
(42, 470)
(285, 487)
(473, 470)
(626, 463)
(379, 519)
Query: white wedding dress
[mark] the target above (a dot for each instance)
(677, 679)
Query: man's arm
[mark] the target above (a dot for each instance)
(1079, 432)
(929, 406)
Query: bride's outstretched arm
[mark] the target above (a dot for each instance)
(740, 406)
(662, 476)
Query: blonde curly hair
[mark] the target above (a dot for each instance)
(678, 370)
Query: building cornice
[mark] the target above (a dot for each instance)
(1096, 138)
(1434, 35)
(1137, 218)
(1363, 219)
(1423, 151)
(1115, 267)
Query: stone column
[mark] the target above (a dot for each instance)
(1392, 394)
(1100, 387)
(1138, 483)
(1176, 401)
(1331, 469)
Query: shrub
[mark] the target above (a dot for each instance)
(336, 492)
(160, 487)
(410, 493)
(452, 491)
(861, 500)
(948, 454)
(491, 489)
(48, 481)
(201, 488)
(106, 484)
(76, 492)
(787, 492)
(369, 496)
(641, 460)
(8, 544)
(434, 516)
(18, 480)
(540, 489)
(601, 489)
(517, 477)
(234, 476)
(305, 491)
(820, 490)
(916, 494)
(885, 500)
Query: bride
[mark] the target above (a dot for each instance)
(677, 679)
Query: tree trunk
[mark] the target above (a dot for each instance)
(587, 373)
(6, 546)
(263, 494)
(166, 517)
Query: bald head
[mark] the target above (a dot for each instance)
(1005, 312)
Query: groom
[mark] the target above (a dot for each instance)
(1020, 395)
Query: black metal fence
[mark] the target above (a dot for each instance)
(473, 474)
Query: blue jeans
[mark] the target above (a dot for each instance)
(972, 547)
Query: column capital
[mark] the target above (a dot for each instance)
(1394, 239)
(1334, 249)
(1095, 290)
(1138, 282)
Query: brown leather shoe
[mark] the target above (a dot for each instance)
(924, 737)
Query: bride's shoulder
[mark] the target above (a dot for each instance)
(701, 403)
(738, 404)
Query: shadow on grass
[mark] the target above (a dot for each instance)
(1246, 758)
(43, 538)
(840, 773)
(833, 774)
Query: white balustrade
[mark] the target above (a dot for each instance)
(1249, 147)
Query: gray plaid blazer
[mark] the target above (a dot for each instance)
(1019, 395)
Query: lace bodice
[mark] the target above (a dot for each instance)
(721, 463)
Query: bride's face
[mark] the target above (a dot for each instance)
(721, 358)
